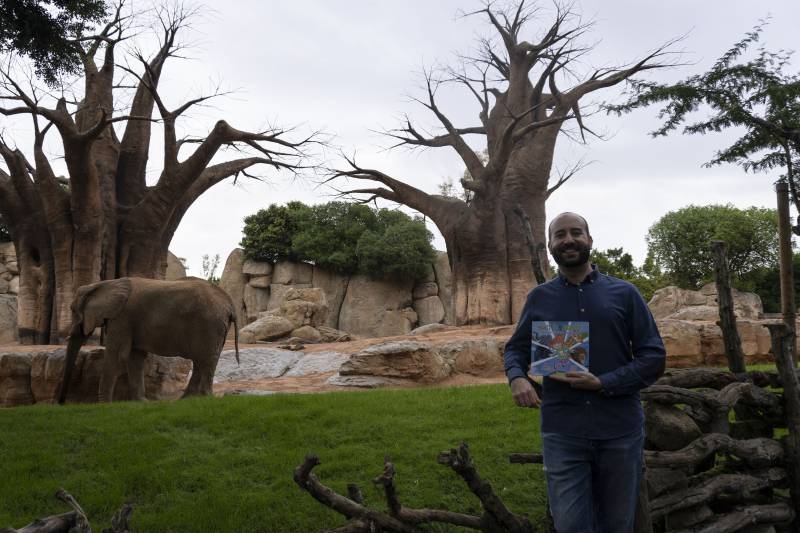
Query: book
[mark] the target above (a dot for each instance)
(558, 347)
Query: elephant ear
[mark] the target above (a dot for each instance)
(100, 301)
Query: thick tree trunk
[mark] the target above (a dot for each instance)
(481, 287)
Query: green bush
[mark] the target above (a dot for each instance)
(342, 237)
(680, 242)
(268, 234)
(618, 263)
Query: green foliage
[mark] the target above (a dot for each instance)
(225, 464)
(45, 31)
(756, 95)
(342, 237)
(766, 282)
(680, 242)
(618, 263)
(267, 235)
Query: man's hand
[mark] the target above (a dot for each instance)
(524, 393)
(582, 380)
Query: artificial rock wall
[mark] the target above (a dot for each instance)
(356, 304)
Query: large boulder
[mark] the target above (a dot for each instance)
(256, 268)
(682, 340)
(444, 283)
(8, 318)
(255, 301)
(37, 377)
(417, 361)
(305, 306)
(477, 357)
(278, 291)
(292, 273)
(175, 268)
(683, 304)
(429, 310)
(15, 379)
(233, 281)
(334, 286)
(267, 327)
(668, 427)
(374, 308)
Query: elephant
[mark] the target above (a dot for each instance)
(186, 318)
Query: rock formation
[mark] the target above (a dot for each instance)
(688, 319)
(34, 377)
(357, 304)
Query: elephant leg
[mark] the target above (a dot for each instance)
(201, 382)
(116, 354)
(136, 374)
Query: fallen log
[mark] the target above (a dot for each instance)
(756, 453)
(717, 378)
(731, 486)
(403, 519)
(777, 513)
(74, 521)
(712, 407)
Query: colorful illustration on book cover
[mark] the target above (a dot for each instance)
(558, 347)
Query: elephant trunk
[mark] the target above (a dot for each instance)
(76, 340)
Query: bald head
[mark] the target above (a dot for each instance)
(561, 218)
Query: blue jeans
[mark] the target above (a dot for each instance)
(593, 485)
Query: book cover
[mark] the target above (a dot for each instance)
(558, 347)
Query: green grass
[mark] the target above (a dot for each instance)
(225, 464)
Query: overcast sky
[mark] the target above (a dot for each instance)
(348, 67)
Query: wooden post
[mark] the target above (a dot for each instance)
(783, 342)
(727, 318)
(788, 308)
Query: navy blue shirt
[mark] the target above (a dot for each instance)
(625, 352)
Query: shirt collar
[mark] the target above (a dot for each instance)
(591, 277)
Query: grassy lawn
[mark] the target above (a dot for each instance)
(225, 464)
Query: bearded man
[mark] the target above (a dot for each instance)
(592, 422)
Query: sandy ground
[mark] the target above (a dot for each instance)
(318, 382)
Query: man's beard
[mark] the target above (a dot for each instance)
(584, 250)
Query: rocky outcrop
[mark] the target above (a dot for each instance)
(299, 314)
(688, 320)
(684, 304)
(353, 302)
(233, 281)
(175, 268)
(335, 287)
(374, 308)
(421, 362)
(35, 377)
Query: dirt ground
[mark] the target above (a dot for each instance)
(318, 382)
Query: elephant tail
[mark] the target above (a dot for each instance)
(74, 344)
(235, 336)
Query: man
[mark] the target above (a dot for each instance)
(592, 422)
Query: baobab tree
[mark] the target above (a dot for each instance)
(526, 92)
(103, 220)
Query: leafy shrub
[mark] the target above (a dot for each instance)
(268, 234)
(342, 237)
(680, 242)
